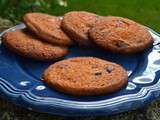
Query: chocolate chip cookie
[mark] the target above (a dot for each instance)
(47, 27)
(85, 76)
(120, 35)
(26, 44)
(76, 24)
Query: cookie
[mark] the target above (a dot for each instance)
(120, 35)
(47, 27)
(76, 24)
(27, 45)
(85, 76)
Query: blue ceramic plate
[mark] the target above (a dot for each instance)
(20, 82)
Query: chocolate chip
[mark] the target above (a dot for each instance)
(98, 73)
(121, 44)
(102, 84)
(109, 69)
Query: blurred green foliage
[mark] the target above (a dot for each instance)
(146, 12)
(15, 9)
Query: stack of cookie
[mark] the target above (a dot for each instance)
(114, 34)
(42, 39)
(48, 37)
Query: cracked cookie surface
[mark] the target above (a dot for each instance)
(85, 76)
(47, 27)
(120, 35)
(26, 44)
(76, 24)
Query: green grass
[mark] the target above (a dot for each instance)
(146, 12)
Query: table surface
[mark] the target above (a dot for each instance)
(9, 111)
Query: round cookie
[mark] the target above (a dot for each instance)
(85, 76)
(47, 27)
(120, 35)
(27, 45)
(76, 24)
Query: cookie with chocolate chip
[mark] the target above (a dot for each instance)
(47, 27)
(85, 76)
(76, 24)
(120, 35)
(26, 44)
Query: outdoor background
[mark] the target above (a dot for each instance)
(146, 12)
